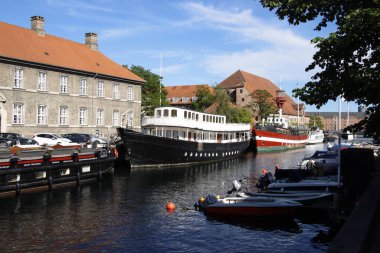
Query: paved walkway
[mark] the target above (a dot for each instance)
(361, 232)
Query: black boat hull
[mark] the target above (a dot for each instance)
(151, 151)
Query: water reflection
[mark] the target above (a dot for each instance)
(126, 210)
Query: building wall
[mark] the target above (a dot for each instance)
(30, 97)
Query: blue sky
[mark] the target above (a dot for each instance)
(201, 41)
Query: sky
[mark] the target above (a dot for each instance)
(201, 42)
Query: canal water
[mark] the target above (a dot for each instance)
(126, 212)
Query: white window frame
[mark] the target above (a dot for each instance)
(18, 113)
(82, 116)
(115, 117)
(83, 87)
(18, 82)
(63, 115)
(41, 114)
(100, 117)
(101, 89)
(64, 84)
(130, 93)
(42, 76)
(129, 119)
(116, 93)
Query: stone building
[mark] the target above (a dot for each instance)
(51, 84)
(241, 84)
(330, 120)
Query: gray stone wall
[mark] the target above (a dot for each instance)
(30, 97)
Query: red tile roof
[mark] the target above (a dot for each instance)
(183, 91)
(26, 45)
(252, 82)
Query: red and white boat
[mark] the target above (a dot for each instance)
(275, 134)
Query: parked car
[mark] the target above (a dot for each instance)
(27, 141)
(5, 143)
(97, 140)
(50, 139)
(14, 137)
(78, 137)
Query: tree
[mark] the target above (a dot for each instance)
(205, 98)
(263, 104)
(151, 91)
(316, 121)
(347, 60)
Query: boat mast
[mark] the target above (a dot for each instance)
(160, 76)
(339, 139)
(298, 110)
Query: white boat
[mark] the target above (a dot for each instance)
(305, 198)
(315, 136)
(237, 207)
(305, 185)
(177, 136)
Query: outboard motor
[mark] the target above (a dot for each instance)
(265, 180)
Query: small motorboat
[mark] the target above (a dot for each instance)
(249, 207)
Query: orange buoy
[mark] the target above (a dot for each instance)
(170, 206)
(264, 171)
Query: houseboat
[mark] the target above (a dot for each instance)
(177, 136)
(28, 168)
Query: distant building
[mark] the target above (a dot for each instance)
(330, 120)
(182, 96)
(240, 85)
(51, 84)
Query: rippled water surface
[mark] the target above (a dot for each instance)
(125, 212)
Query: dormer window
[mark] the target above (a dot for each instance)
(194, 99)
(185, 99)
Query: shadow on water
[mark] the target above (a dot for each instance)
(286, 224)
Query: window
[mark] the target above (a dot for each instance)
(18, 78)
(41, 114)
(99, 117)
(129, 119)
(241, 90)
(63, 115)
(115, 118)
(116, 91)
(83, 87)
(42, 81)
(63, 85)
(18, 110)
(242, 99)
(184, 99)
(166, 113)
(130, 92)
(158, 113)
(194, 99)
(174, 113)
(100, 89)
(82, 116)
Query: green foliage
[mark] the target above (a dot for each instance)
(263, 104)
(316, 121)
(233, 113)
(150, 94)
(205, 98)
(348, 60)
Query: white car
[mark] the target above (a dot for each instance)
(50, 139)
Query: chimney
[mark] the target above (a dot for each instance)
(91, 40)
(38, 24)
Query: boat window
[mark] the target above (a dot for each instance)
(169, 133)
(185, 114)
(175, 134)
(197, 116)
(158, 113)
(207, 118)
(193, 116)
(204, 117)
(174, 113)
(166, 113)
(213, 119)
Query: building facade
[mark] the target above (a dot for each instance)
(182, 96)
(330, 120)
(50, 84)
(241, 84)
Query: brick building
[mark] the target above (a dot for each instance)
(183, 96)
(330, 120)
(51, 84)
(240, 85)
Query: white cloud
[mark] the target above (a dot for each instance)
(269, 50)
